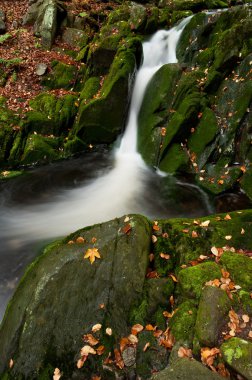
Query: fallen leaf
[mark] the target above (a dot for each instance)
(151, 257)
(164, 256)
(86, 350)
(81, 361)
(126, 229)
(11, 363)
(194, 234)
(133, 339)
(136, 329)
(80, 240)
(70, 242)
(173, 277)
(147, 345)
(227, 217)
(91, 254)
(100, 350)
(171, 299)
(109, 331)
(152, 274)
(102, 306)
(215, 251)
(124, 342)
(93, 240)
(89, 338)
(57, 374)
(208, 355)
(242, 231)
(96, 327)
(205, 223)
(149, 327)
(184, 352)
(222, 370)
(250, 334)
(154, 239)
(228, 237)
(118, 359)
(245, 318)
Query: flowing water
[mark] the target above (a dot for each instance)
(35, 208)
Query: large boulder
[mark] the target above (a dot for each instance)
(62, 296)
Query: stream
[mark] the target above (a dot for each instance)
(49, 202)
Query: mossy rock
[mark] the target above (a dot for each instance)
(237, 353)
(153, 112)
(101, 120)
(51, 115)
(58, 300)
(8, 174)
(185, 369)
(175, 160)
(246, 302)
(198, 5)
(155, 301)
(154, 358)
(246, 183)
(182, 324)
(90, 88)
(240, 268)
(212, 314)
(191, 280)
(61, 76)
(40, 149)
(179, 15)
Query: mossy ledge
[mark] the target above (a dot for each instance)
(154, 274)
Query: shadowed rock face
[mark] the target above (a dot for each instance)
(62, 296)
(59, 298)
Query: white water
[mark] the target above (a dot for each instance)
(114, 194)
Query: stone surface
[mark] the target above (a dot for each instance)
(237, 353)
(61, 292)
(185, 369)
(41, 69)
(212, 314)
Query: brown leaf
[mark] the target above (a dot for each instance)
(86, 350)
(109, 331)
(100, 350)
(173, 277)
(208, 355)
(80, 240)
(149, 327)
(57, 374)
(227, 217)
(147, 345)
(89, 338)
(118, 359)
(92, 254)
(164, 256)
(126, 229)
(124, 342)
(136, 329)
(245, 318)
(184, 352)
(11, 363)
(194, 234)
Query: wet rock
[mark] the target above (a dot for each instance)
(212, 313)
(182, 324)
(237, 353)
(185, 369)
(41, 69)
(74, 37)
(240, 268)
(58, 299)
(191, 280)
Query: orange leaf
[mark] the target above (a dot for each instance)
(147, 345)
(164, 256)
(118, 359)
(100, 350)
(184, 352)
(90, 339)
(194, 234)
(149, 327)
(126, 229)
(124, 342)
(91, 254)
(136, 329)
(173, 277)
(80, 240)
(227, 217)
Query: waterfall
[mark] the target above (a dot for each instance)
(122, 190)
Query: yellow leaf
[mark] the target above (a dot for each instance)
(91, 254)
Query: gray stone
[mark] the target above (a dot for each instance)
(49, 25)
(212, 313)
(41, 69)
(74, 37)
(186, 369)
(129, 356)
(59, 298)
(237, 353)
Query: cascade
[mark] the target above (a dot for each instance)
(120, 191)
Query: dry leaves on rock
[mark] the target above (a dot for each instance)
(92, 254)
(208, 355)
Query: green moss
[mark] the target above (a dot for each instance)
(182, 323)
(191, 280)
(175, 161)
(4, 175)
(61, 76)
(240, 268)
(237, 353)
(178, 15)
(91, 87)
(51, 115)
(246, 301)
(153, 113)
(39, 149)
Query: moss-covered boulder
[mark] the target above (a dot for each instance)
(240, 268)
(62, 296)
(101, 119)
(237, 353)
(192, 280)
(154, 111)
(185, 369)
(62, 75)
(212, 312)
(182, 323)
